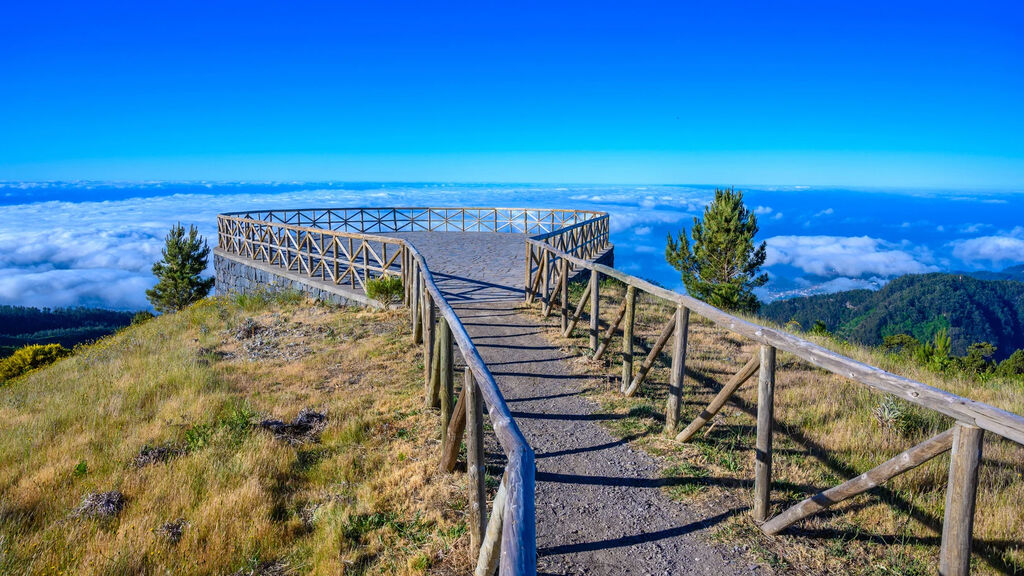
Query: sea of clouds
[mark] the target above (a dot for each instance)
(86, 249)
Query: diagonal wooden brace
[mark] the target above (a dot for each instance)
(907, 460)
(730, 388)
(579, 312)
(666, 333)
(453, 439)
(607, 338)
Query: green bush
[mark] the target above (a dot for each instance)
(28, 358)
(384, 289)
(142, 316)
(1012, 366)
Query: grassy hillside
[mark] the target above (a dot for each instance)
(828, 430)
(920, 304)
(155, 451)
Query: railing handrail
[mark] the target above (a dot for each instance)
(509, 208)
(307, 229)
(519, 514)
(990, 418)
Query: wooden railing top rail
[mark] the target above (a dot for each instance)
(565, 229)
(297, 228)
(594, 213)
(534, 220)
(990, 418)
(518, 548)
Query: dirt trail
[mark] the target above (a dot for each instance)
(600, 507)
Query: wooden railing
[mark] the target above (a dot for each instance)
(350, 246)
(424, 219)
(549, 269)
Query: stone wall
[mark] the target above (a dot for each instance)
(237, 275)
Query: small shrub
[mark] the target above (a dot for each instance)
(900, 343)
(900, 417)
(197, 437)
(1012, 366)
(935, 354)
(28, 358)
(142, 316)
(237, 420)
(384, 289)
(819, 329)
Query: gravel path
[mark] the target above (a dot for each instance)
(600, 507)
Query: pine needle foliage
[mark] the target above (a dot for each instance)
(722, 264)
(179, 272)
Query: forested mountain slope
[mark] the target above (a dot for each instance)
(20, 325)
(972, 310)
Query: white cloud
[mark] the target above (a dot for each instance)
(850, 256)
(763, 210)
(808, 288)
(974, 228)
(100, 252)
(825, 212)
(994, 249)
(642, 231)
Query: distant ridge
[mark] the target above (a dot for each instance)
(1012, 273)
(972, 309)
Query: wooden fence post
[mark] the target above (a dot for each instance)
(958, 525)
(429, 335)
(595, 309)
(627, 339)
(446, 382)
(406, 276)
(564, 294)
(528, 286)
(490, 549)
(675, 387)
(475, 465)
(545, 280)
(414, 305)
(765, 421)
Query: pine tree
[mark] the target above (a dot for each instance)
(722, 266)
(180, 283)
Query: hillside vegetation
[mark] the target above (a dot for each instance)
(240, 436)
(921, 305)
(828, 430)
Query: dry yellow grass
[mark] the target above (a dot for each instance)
(365, 499)
(828, 430)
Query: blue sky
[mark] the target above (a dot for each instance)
(856, 94)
